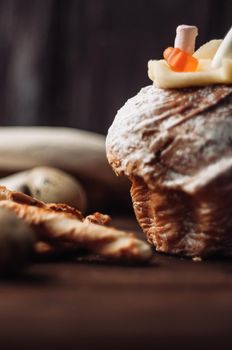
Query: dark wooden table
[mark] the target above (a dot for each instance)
(86, 303)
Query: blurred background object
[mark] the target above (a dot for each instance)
(74, 63)
(76, 152)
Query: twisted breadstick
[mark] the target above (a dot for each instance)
(62, 225)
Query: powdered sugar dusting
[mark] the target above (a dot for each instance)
(171, 136)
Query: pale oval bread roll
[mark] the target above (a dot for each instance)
(49, 185)
(79, 153)
(76, 151)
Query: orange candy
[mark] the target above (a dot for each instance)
(179, 60)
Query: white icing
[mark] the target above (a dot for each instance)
(164, 77)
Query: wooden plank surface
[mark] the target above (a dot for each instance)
(86, 303)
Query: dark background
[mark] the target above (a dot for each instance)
(74, 63)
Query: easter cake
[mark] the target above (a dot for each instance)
(174, 142)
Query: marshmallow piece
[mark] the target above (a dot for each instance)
(185, 38)
(224, 50)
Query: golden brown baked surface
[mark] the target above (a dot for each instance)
(59, 227)
(176, 147)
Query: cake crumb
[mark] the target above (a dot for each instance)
(197, 258)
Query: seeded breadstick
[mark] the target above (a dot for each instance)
(59, 225)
